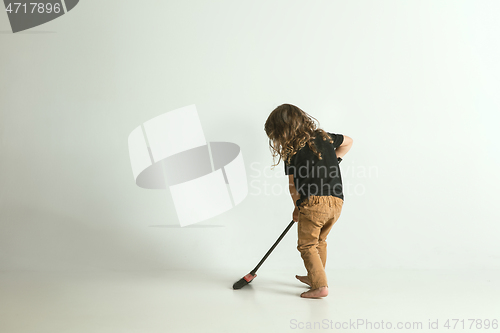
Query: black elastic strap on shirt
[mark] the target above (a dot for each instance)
(339, 159)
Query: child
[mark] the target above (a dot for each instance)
(311, 157)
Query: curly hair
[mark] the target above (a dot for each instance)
(289, 129)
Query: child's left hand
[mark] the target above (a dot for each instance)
(295, 214)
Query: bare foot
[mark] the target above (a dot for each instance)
(315, 293)
(303, 279)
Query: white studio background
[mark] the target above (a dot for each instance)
(414, 83)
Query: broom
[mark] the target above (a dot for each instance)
(250, 276)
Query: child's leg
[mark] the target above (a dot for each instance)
(336, 204)
(311, 219)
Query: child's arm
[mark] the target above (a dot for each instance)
(295, 196)
(344, 147)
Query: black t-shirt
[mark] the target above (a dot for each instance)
(313, 176)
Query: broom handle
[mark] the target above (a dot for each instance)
(272, 248)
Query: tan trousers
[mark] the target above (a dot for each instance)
(317, 215)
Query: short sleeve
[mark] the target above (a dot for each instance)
(337, 139)
(287, 168)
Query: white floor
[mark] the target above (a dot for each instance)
(190, 301)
